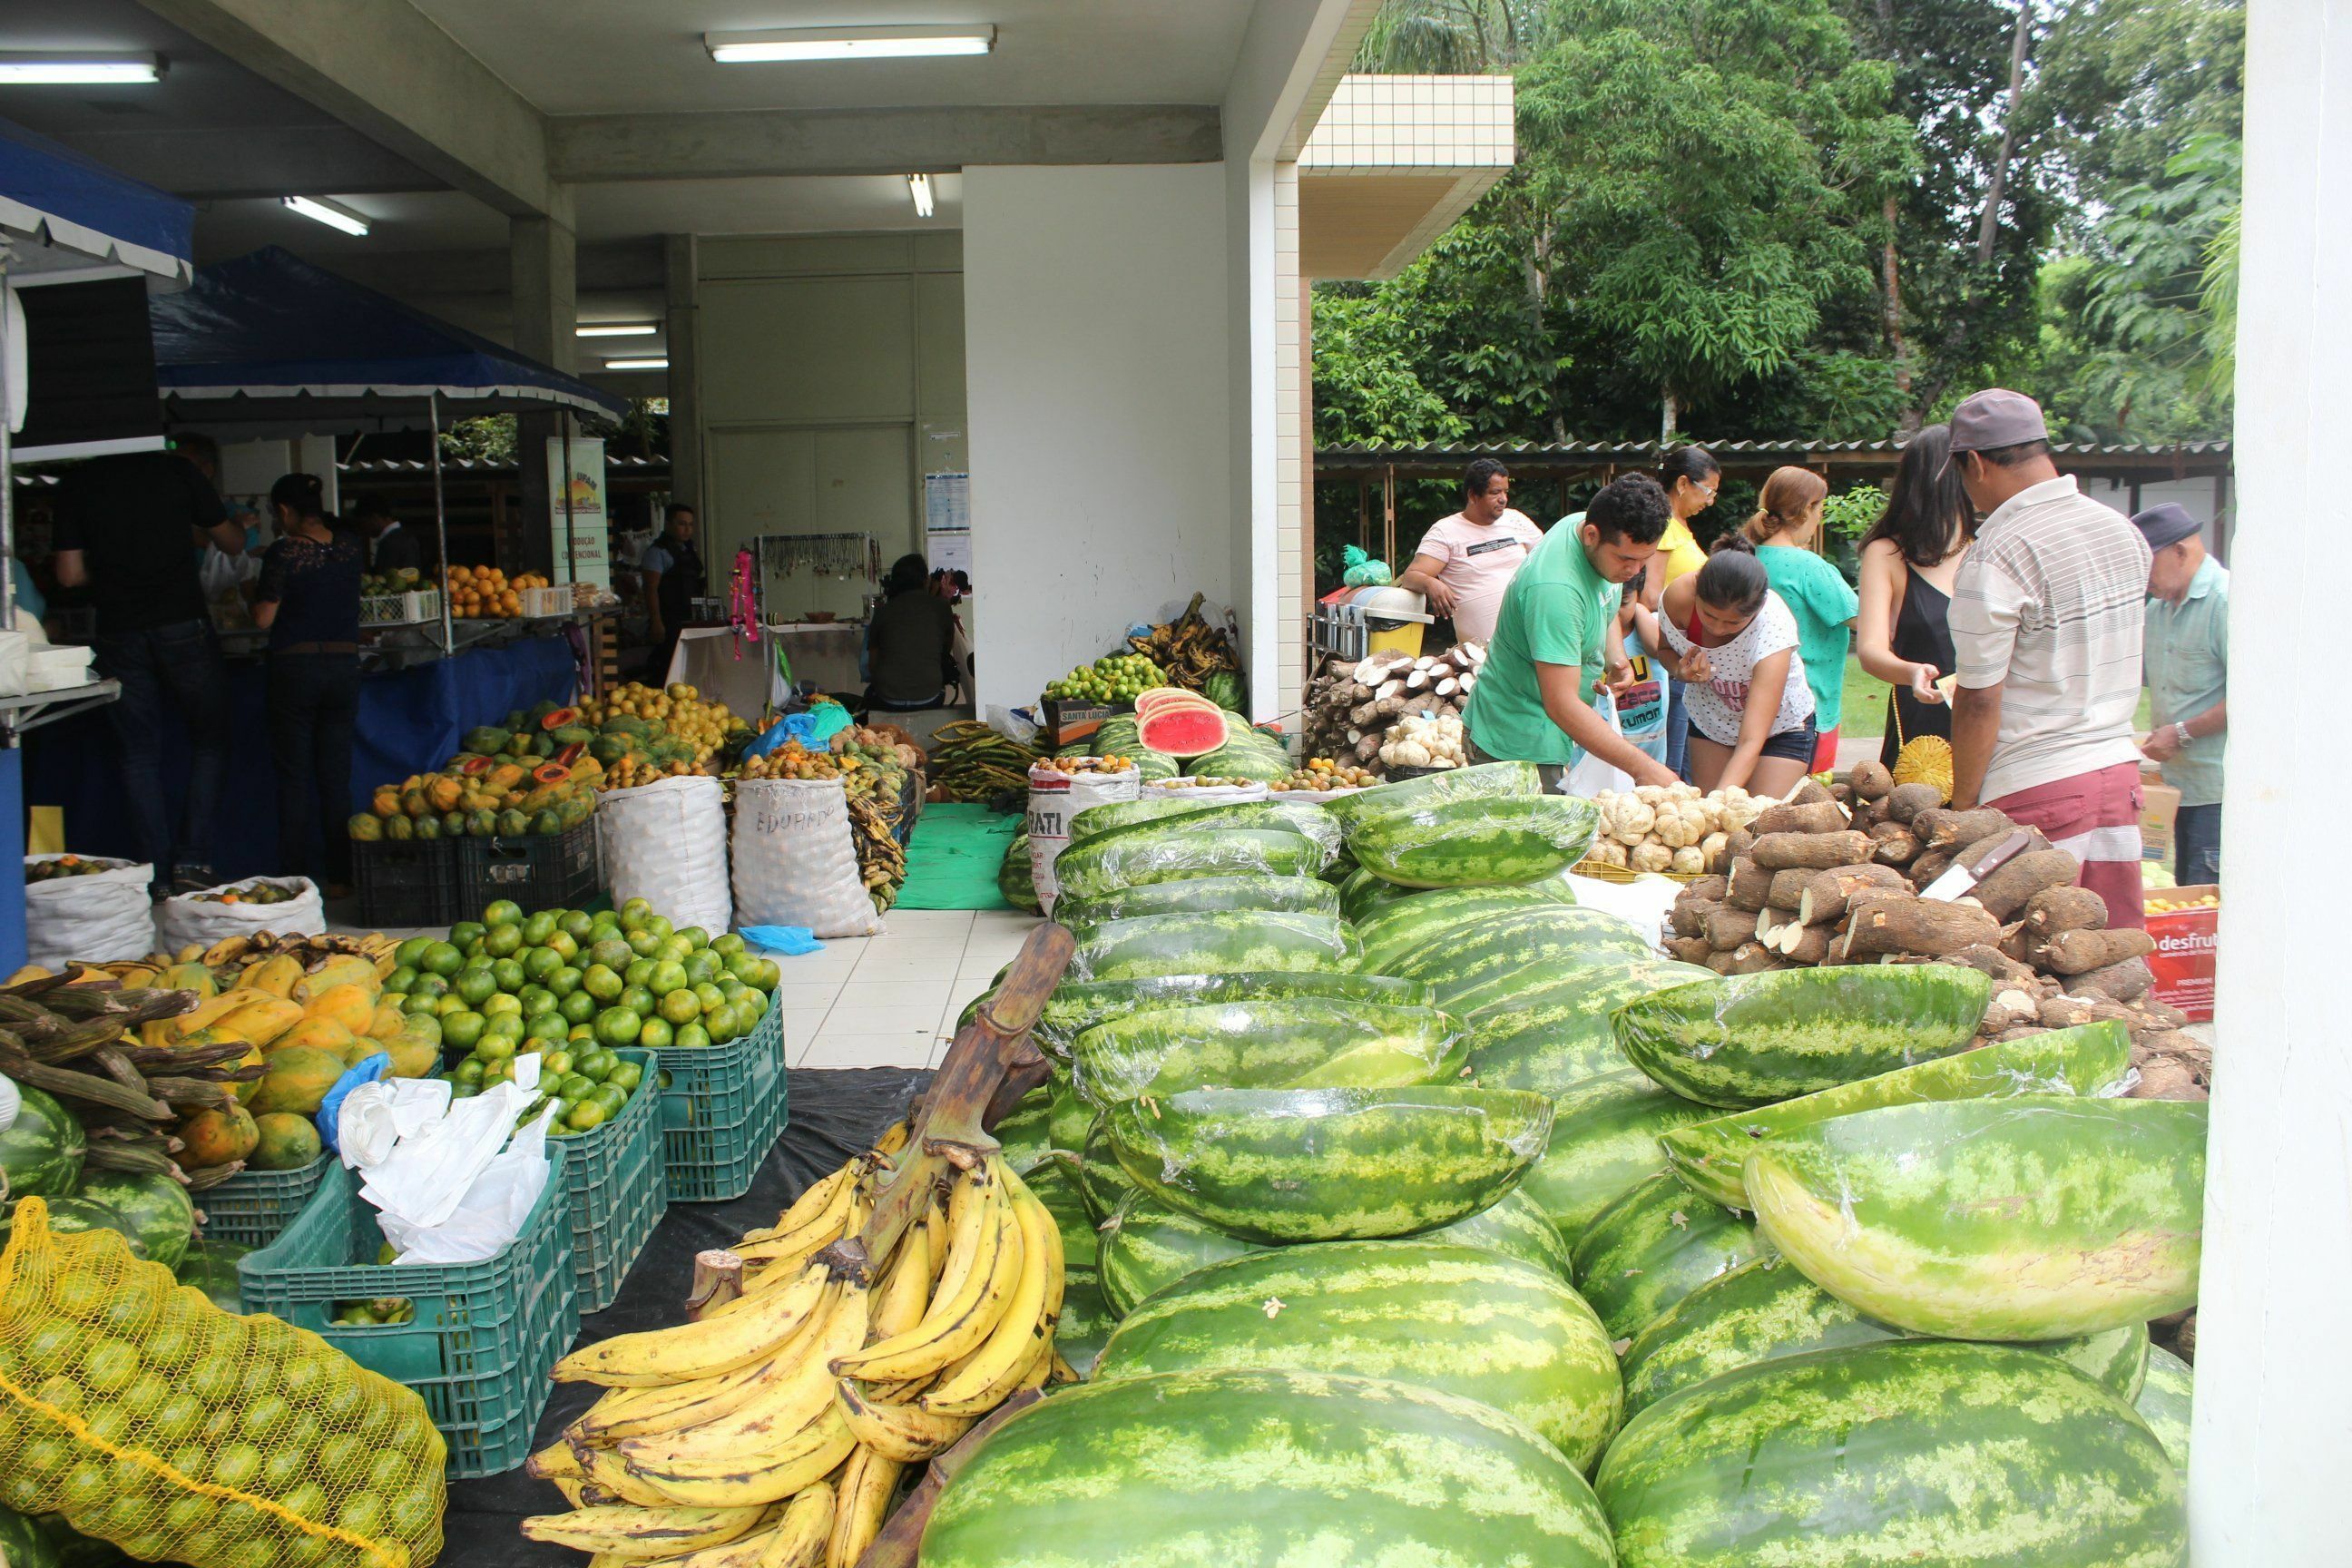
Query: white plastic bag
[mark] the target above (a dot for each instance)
(1055, 797)
(665, 843)
(189, 921)
(97, 918)
(1642, 902)
(460, 1189)
(1589, 775)
(796, 859)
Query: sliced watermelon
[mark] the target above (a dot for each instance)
(1151, 701)
(1183, 730)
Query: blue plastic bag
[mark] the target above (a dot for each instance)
(792, 941)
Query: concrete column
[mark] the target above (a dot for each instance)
(681, 258)
(543, 263)
(1293, 457)
(2273, 1411)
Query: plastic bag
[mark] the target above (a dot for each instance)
(97, 918)
(1510, 838)
(1204, 795)
(1477, 783)
(1277, 814)
(796, 859)
(1211, 944)
(1117, 861)
(1056, 799)
(1360, 571)
(665, 843)
(189, 920)
(492, 1209)
(148, 1417)
(1289, 1042)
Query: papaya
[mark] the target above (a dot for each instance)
(512, 824)
(284, 1141)
(573, 735)
(539, 799)
(453, 824)
(218, 1137)
(575, 811)
(410, 1058)
(542, 745)
(399, 829)
(608, 750)
(245, 1088)
(385, 802)
(519, 746)
(350, 1008)
(343, 969)
(515, 720)
(479, 800)
(413, 804)
(443, 790)
(551, 773)
(475, 767)
(263, 1018)
(482, 823)
(428, 827)
(298, 1081)
(487, 740)
(193, 977)
(558, 718)
(507, 775)
(586, 769)
(277, 976)
(314, 1034)
(365, 829)
(546, 822)
(162, 1032)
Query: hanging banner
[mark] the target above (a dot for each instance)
(589, 526)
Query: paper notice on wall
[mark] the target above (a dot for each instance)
(586, 531)
(946, 522)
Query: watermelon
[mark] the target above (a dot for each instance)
(1235, 761)
(80, 1217)
(41, 1152)
(1765, 1310)
(1197, 894)
(2164, 1403)
(1086, 1320)
(1401, 923)
(2029, 1218)
(1959, 1455)
(1145, 1245)
(1509, 838)
(1116, 860)
(1486, 781)
(1100, 819)
(155, 1211)
(1183, 728)
(1558, 1035)
(1738, 1040)
(1078, 1006)
(1709, 1155)
(1264, 1469)
(1514, 1338)
(1605, 1138)
(1514, 1228)
(1026, 1132)
(22, 1543)
(1179, 817)
(1652, 1247)
(1328, 1164)
(1297, 1042)
(1054, 1181)
(1499, 956)
(1101, 1181)
(1151, 945)
(1363, 894)
(211, 1267)
(1017, 878)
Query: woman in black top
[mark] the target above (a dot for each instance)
(310, 601)
(1908, 563)
(909, 643)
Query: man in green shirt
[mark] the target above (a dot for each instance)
(1557, 636)
(2185, 658)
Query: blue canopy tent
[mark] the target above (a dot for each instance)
(60, 214)
(267, 345)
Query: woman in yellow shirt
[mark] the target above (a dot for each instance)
(1690, 477)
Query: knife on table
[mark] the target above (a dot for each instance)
(1956, 882)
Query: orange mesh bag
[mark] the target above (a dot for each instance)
(151, 1418)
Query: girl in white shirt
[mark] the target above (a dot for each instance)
(1751, 712)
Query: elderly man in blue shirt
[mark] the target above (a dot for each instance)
(2186, 662)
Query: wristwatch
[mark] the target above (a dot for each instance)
(2182, 735)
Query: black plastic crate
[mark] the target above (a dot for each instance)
(407, 882)
(538, 871)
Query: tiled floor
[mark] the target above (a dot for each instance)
(884, 1001)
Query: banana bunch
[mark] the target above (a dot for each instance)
(237, 953)
(772, 1431)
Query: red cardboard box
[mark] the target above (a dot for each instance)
(2187, 939)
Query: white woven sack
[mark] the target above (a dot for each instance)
(665, 843)
(98, 918)
(796, 860)
(1055, 797)
(187, 921)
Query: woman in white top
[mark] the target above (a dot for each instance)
(1751, 712)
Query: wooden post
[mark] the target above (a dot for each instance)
(1388, 515)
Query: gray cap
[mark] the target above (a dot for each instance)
(2168, 523)
(1994, 418)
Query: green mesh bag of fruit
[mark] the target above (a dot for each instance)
(147, 1416)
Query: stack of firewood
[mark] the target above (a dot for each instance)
(1350, 706)
(1834, 875)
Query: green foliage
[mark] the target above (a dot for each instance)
(1367, 387)
(487, 439)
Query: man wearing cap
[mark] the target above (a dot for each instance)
(2047, 617)
(2186, 659)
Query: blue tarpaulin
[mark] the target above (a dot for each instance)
(268, 346)
(79, 205)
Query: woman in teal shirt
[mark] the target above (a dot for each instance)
(1788, 515)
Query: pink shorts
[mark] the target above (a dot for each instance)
(2094, 817)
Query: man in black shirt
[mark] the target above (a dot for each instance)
(390, 546)
(129, 527)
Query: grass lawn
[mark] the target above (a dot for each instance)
(1864, 711)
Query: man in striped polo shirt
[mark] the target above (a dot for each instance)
(2046, 618)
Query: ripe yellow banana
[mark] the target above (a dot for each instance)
(643, 1532)
(606, 1472)
(554, 1462)
(767, 1256)
(795, 1388)
(906, 1433)
(894, 1138)
(935, 1224)
(860, 1505)
(713, 1346)
(992, 1370)
(906, 1286)
(956, 1320)
(802, 1460)
(801, 1533)
(829, 1193)
(574, 1492)
(749, 1553)
(638, 1412)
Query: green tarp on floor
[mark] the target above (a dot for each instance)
(954, 855)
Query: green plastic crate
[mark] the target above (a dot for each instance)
(482, 1349)
(723, 1108)
(618, 1190)
(252, 1209)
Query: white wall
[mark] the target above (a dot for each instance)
(1095, 351)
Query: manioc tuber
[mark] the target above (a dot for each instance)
(1917, 925)
(1787, 886)
(1752, 958)
(1930, 865)
(2080, 952)
(2069, 908)
(2007, 888)
(1904, 802)
(1870, 780)
(1747, 887)
(1687, 916)
(2126, 979)
(1812, 851)
(1991, 961)
(1825, 895)
(1727, 927)
(1689, 949)
(1954, 831)
(1706, 888)
(1891, 844)
(1809, 792)
(1816, 816)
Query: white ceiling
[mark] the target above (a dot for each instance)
(606, 57)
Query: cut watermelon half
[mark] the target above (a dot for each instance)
(1183, 728)
(1151, 701)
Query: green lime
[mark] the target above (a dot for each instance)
(555, 1061)
(691, 1036)
(653, 1034)
(496, 1046)
(549, 1026)
(768, 977)
(538, 962)
(637, 1000)
(576, 924)
(538, 928)
(710, 996)
(564, 944)
(611, 952)
(660, 925)
(503, 913)
(585, 1115)
(463, 1030)
(417, 1001)
(601, 981)
(666, 976)
(643, 942)
(477, 985)
(563, 982)
(503, 941)
(465, 934)
(572, 1086)
(701, 966)
(498, 1002)
(749, 1007)
(639, 971)
(464, 1090)
(535, 999)
(721, 1022)
(430, 984)
(579, 1007)
(612, 1098)
(635, 913)
(726, 943)
(595, 1064)
(469, 1070)
(509, 972)
(681, 1007)
(696, 937)
(397, 982)
(618, 1026)
(410, 954)
(731, 988)
(744, 967)
(674, 949)
(440, 958)
(627, 1074)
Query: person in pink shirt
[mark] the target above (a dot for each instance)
(1466, 561)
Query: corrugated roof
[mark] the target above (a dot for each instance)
(366, 466)
(1602, 451)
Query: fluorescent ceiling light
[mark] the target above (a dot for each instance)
(637, 365)
(919, 188)
(615, 330)
(335, 215)
(848, 44)
(24, 68)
